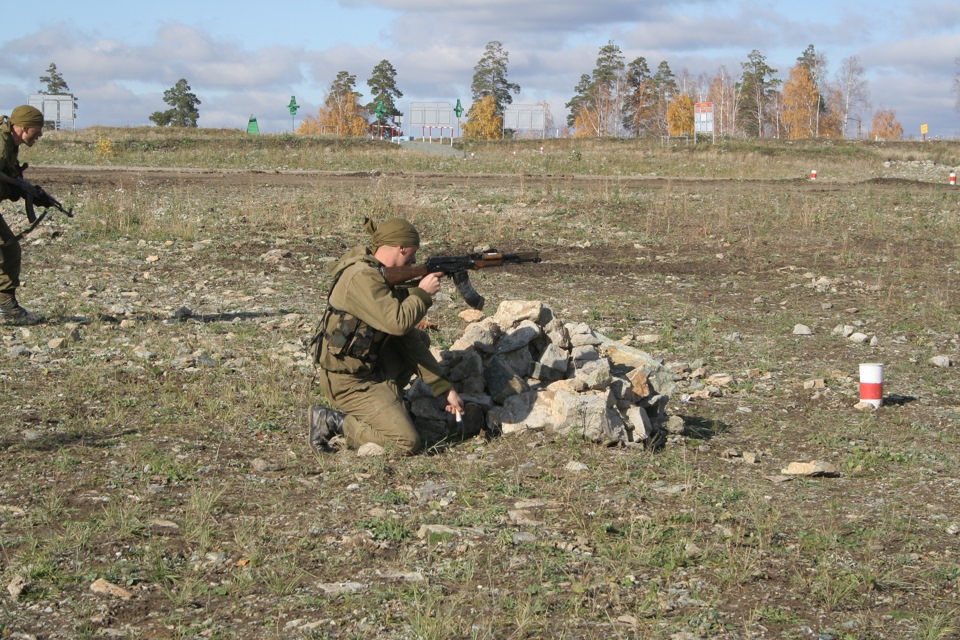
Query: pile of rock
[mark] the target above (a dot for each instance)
(531, 371)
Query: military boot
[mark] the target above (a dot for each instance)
(322, 425)
(11, 313)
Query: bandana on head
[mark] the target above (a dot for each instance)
(27, 117)
(395, 232)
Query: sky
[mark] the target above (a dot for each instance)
(245, 59)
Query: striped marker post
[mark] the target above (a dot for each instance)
(953, 178)
(871, 383)
(813, 174)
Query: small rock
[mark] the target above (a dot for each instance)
(576, 466)
(437, 532)
(941, 361)
(17, 586)
(259, 465)
(370, 449)
(471, 315)
(802, 330)
(108, 588)
(810, 469)
(335, 588)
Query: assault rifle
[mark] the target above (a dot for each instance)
(457, 268)
(34, 196)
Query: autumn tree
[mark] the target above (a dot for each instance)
(600, 95)
(800, 104)
(724, 93)
(885, 125)
(680, 115)
(757, 86)
(341, 113)
(490, 78)
(183, 110)
(484, 122)
(852, 93)
(383, 90)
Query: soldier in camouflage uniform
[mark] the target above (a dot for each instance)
(368, 348)
(23, 126)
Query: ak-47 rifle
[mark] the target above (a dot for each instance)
(457, 267)
(34, 196)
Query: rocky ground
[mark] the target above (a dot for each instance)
(156, 480)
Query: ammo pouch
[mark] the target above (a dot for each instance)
(347, 336)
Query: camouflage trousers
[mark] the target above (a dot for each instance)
(9, 259)
(374, 404)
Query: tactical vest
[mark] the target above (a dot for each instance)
(344, 335)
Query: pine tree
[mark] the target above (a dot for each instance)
(383, 90)
(757, 86)
(56, 85)
(490, 77)
(183, 110)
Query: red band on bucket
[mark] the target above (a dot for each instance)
(871, 391)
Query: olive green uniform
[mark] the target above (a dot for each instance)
(369, 348)
(10, 250)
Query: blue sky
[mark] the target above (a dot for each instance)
(243, 58)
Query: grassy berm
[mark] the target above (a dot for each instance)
(155, 479)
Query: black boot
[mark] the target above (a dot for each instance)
(12, 313)
(322, 425)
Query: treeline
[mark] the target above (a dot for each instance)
(623, 99)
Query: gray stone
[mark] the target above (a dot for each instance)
(501, 381)
(519, 337)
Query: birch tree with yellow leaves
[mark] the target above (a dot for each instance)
(885, 125)
(341, 113)
(484, 123)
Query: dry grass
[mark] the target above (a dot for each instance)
(129, 456)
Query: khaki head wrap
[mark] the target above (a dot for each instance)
(27, 117)
(395, 232)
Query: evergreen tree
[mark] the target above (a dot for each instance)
(183, 107)
(383, 89)
(639, 104)
(56, 85)
(599, 98)
(757, 88)
(490, 77)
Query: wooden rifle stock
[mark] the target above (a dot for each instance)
(457, 268)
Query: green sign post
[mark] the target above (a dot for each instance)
(292, 107)
(459, 111)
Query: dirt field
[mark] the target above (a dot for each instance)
(152, 429)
